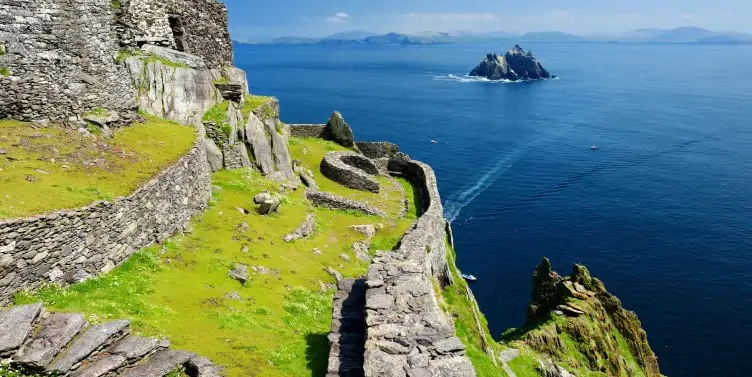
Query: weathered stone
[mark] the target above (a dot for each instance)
(178, 57)
(135, 347)
(158, 365)
(54, 333)
(305, 229)
(213, 155)
(15, 325)
(199, 366)
(339, 131)
(452, 367)
(327, 200)
(515, 65)
(256, 137)
(449, 345)
(101, 366)
(240, 273)
(367, 230)
(94, 338)
(268, 206)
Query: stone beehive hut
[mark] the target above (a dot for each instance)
(58, 57)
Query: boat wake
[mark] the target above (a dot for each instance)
(466, 78)
(454, 205)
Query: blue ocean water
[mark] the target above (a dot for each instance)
(661, 213)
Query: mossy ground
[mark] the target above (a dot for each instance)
(51, 168)
(179, 289)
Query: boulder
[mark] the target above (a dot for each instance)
(515, 65)
(262, 197)
(256, 137)
(240, 273)
(213, 154)
(367, 230)
(15, 325)
(179, 57)
(269, 206)
(339, 131)
(304, 231)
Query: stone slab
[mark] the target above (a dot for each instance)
(159, 364)
(55, 332)
(135, 347)
(89, 341)
(15, 326)
(101, 366)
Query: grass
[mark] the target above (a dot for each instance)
(147, 58)
(4, 71)
(254, 102)
(221, 80)
(51, 168)
(178, 290)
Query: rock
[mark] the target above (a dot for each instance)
(334, 273)
(308, 180)
(379, 149)
(509, 355)
(54, 333)
(515, 65)
(280, 150)
(101, 366)
(135, 347)
(262, 197)
(199, 366)
(234, 296)
(159, 365)
(361, 250)
(367, 230)
(2, 151)
(450, 345)
(95, 338)
(345, 257)
(339, 131)
(351, 170)
(255, 136)
(231, 91)
(327, 200)
(175, 56)
(268, 206)
(452, 367)
(15, 325)
(316, 251)
(213, 154)
(240, 273)
(550, 369)
(261, 270)
(304, 231)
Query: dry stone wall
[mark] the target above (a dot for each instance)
(199, 27)
(69, 246)
(407, 333)
(61, 59)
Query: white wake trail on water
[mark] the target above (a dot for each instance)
(454, 206)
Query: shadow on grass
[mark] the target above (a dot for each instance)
(317, 354)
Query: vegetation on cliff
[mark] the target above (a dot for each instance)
(276, 324)
(46, 168)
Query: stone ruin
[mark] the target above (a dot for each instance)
(58, 57)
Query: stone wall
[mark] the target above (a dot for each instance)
(407, 333)
(199, 27)
(68, 246)
(61, 58)
(308, 130)
(351, 170)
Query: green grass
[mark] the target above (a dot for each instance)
(217, 114)
(123, 55)
(98, 111)
(52, 168)
(254, 102)
(221, 80)
(4, 71)
(178, 290)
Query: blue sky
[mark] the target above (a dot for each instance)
(251, 19)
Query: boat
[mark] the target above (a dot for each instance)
(469, 277)
(594, 148)
(434, 142)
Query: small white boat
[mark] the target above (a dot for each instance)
(469, 277)
(434, 142)
(594, 148)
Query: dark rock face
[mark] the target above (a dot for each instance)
(515, 65)
(339, 131)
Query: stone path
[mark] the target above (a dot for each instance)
(65, 344)
(348, 334)
(506, 357)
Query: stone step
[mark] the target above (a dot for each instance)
(15, 326)
(95, 338)
(101, 366)
(55, 332)
(159, 364)
(135, 347)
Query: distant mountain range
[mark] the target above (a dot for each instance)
(682, 35)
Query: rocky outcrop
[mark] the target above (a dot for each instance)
(177, 57)
(64, 344)
(515, 65)
(594, 319)
(351, 170)
(339, 131)
(305, 229)
(71, 245)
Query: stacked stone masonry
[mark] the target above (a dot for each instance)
(351, 170)
(61, 58)
(65, 344)
(70, 246)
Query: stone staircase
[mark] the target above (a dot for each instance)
(348, 334)
(64, 344)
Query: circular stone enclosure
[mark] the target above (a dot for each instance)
(351, 170)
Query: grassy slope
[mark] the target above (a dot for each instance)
(70, 170)
(178, 290)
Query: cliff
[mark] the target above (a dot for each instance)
(514, 65)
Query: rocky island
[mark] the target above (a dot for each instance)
(158, 219)
(515, 65)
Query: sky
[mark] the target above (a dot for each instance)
(259, 19)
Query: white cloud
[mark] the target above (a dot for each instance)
(337, 18)
(687, 16)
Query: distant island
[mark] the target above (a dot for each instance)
(515, 65)
(682, 35)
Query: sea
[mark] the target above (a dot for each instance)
(661, 211)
